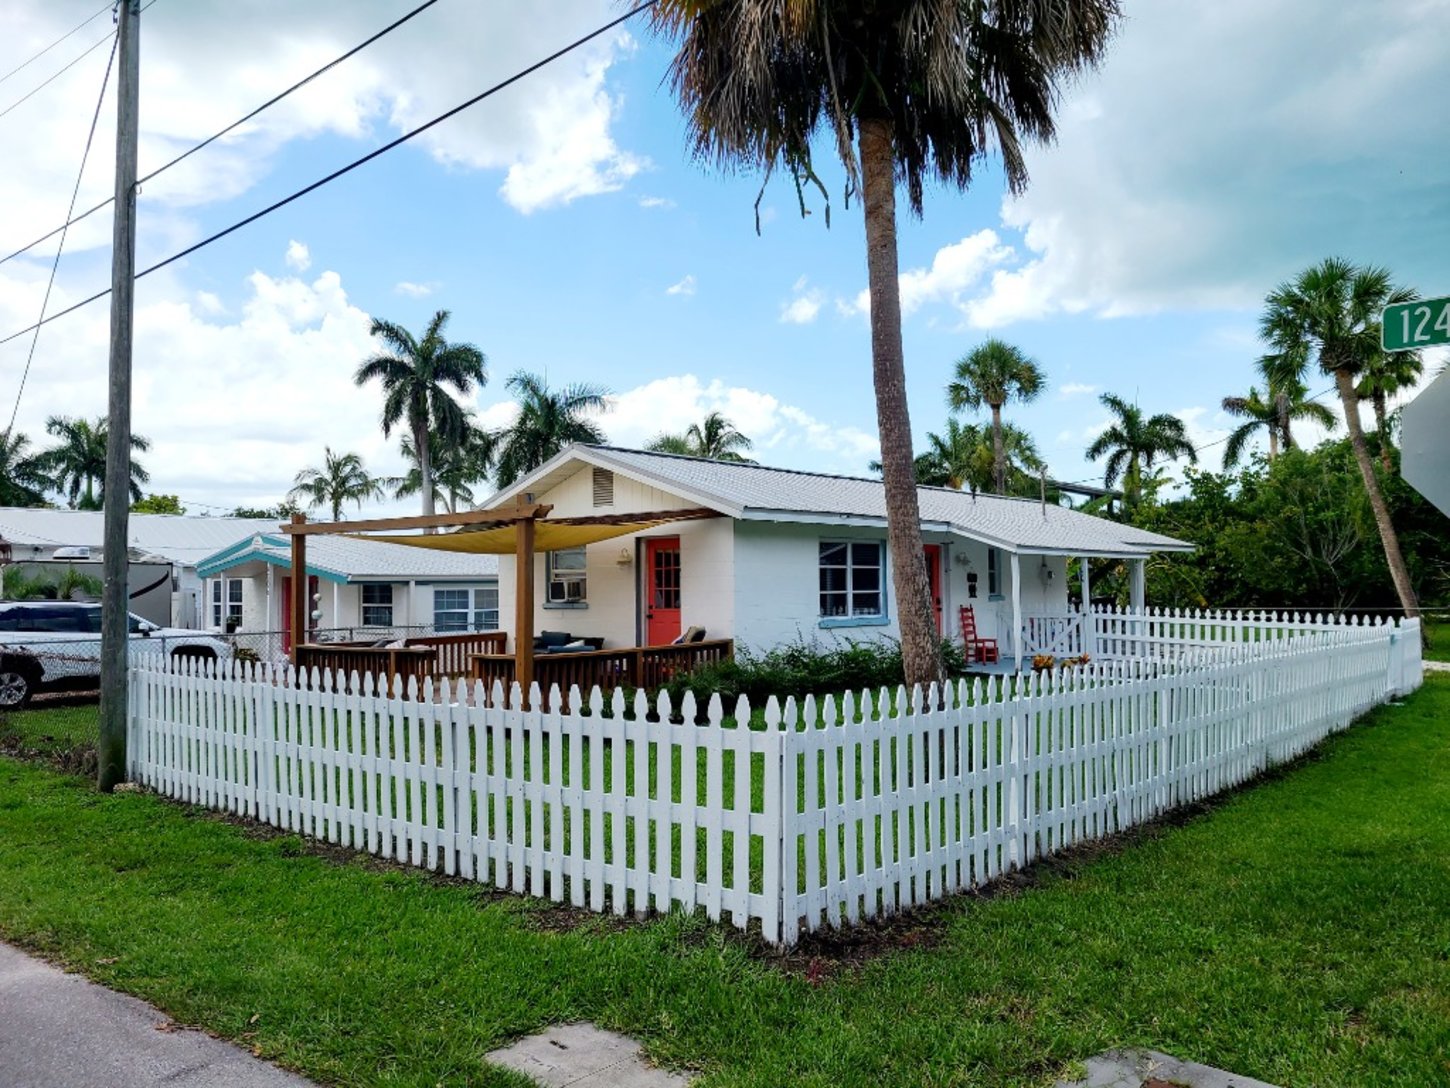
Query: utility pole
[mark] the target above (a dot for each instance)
(115, 633)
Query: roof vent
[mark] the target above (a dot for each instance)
(603, 487)
(71, 553)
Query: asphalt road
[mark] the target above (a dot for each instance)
(61, 1031)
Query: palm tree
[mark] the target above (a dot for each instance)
(456, 468)
(548, 420)
(78, 464)
(993, 373)
(22, 482)
(1133, 443)
(922, 87)
(342, 479)
(415, 375)
(1274, 416)
(1385, 375)
(1330, 314)
(716, 439)
(965, 457)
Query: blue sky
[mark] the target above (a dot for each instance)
(567, 229)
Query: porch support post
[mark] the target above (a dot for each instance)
(337, 605)
(1139, 589)
(1089, 642)
(524, 606)
(1015, 565)
(299, 602)
(268, 616)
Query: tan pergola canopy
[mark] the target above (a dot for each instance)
(549, 536)
(521, 529)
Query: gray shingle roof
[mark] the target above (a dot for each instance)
(358, 559)
(758, 492)
(182, 538)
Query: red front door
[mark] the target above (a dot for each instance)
(933, 580)
(662, 590)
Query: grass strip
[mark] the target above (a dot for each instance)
(1296, 932)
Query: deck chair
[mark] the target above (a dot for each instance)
(976, 647)
(693, 634)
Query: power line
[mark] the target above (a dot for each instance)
(502, 85)
(81, 26)
(231, 127)
(40, 87)
(55, 264)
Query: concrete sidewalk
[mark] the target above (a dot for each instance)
(61, 1031)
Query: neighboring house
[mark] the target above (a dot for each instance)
(780, 555)
(164, 550)
(362, 585)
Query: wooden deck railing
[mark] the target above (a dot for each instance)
(422, 656)
(451, 652)
(630, 666)
(386, 661)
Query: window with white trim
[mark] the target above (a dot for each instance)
(377, 605)
(466, 608)
(226, 603)
(565, 576)
(850, 579)
(994, 572)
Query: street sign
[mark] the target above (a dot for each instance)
(1425, 442)
(1413, 325)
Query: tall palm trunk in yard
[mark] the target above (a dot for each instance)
(999, 453)
(1349, 398)
(421, 443)
(920, 651)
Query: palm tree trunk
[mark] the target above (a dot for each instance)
(1273, 443)
(425, 466)
(1391, 541)
(1282, 403)
(1382, 427)
(920, 646)
(999, 454)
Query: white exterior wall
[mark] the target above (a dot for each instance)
(615, 590)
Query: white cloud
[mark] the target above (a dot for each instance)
(234, 405)
(781, 432)
(1298, 146)
(656, 202)
(805, 306)
(549, 137)
(955, 270)
(685, 287)
(298, 257)
(1076, 389)
(414, 290)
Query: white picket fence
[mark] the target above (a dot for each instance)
(1165, 633)
(808, 813)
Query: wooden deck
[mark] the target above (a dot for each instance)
(630, 666)
(422, 656)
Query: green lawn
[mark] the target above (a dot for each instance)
(1298, 933)
(1437, 640)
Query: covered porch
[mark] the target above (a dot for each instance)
(1043, 620)
(524, 531)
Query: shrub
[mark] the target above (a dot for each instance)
(804, 668)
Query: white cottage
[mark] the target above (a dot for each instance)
(775, 555)
(363, 587)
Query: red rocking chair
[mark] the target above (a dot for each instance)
(976, 647)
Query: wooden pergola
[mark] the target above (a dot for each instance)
(508, 530)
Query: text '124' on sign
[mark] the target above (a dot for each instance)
(1411, 325)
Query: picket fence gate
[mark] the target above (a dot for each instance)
(804, 813)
